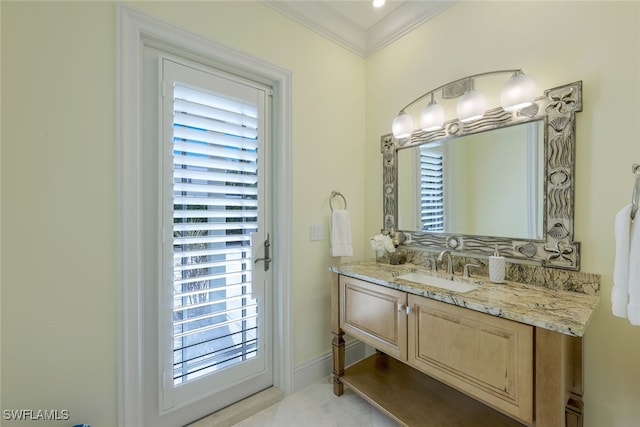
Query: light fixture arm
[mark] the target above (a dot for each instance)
(432, 91)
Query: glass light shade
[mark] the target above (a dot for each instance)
(471, 106)
(432, 117)
(378, 3)
(518, 92)
(402, 125)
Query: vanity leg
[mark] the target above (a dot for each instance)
(550, 378)
(574, 409)
(558, 379)
(338, 363)
(338, 341)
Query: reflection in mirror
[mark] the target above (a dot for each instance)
(496, 175)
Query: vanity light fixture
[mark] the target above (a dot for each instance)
(432, 116)
(402, 125)
(518, 92)
(378, 3)
(471, 106)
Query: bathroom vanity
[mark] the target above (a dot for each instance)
(454, 353)
(497, 355)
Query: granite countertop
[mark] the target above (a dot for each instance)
(556, 310)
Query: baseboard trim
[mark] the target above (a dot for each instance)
(322, 366)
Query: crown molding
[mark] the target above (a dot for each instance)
(318, 17)
(401, 21)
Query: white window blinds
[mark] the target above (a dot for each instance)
(431, 190)
(215, 188)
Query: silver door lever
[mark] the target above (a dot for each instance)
(266, 259)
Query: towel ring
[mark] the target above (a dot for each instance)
(336, 194)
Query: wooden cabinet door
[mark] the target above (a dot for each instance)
(482, 355)
(374, 314)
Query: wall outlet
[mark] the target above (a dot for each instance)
(317, 232)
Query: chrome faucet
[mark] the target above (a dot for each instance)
(449, 263)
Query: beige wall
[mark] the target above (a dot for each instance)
(58, 201)
(59, 198)
(58, 169)
(557, 42)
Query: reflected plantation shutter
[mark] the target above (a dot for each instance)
(431, 190)
(215, 208)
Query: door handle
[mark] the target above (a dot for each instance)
(266, 259)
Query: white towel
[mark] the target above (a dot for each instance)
(633, 310)
(341, 233)
(620, 291)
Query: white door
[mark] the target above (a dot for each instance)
(214, 312)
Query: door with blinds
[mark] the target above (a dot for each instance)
(431, 183)
(215, 331)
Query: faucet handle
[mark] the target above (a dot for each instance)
(465, 270)
(430, 262)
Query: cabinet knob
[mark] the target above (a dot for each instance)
(407, 309)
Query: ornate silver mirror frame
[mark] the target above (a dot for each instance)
(558, 250)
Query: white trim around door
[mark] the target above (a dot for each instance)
(134, 31)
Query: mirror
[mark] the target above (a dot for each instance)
(506, 179)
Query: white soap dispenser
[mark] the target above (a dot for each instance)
(497, 267)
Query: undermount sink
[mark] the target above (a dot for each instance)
(439, 282)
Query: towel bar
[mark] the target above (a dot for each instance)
(634, 198)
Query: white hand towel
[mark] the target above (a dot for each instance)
(633, 310)
(341, 233)
(620, 291)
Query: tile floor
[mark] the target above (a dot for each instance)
(317, 406)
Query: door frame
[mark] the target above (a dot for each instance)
(133, 31)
